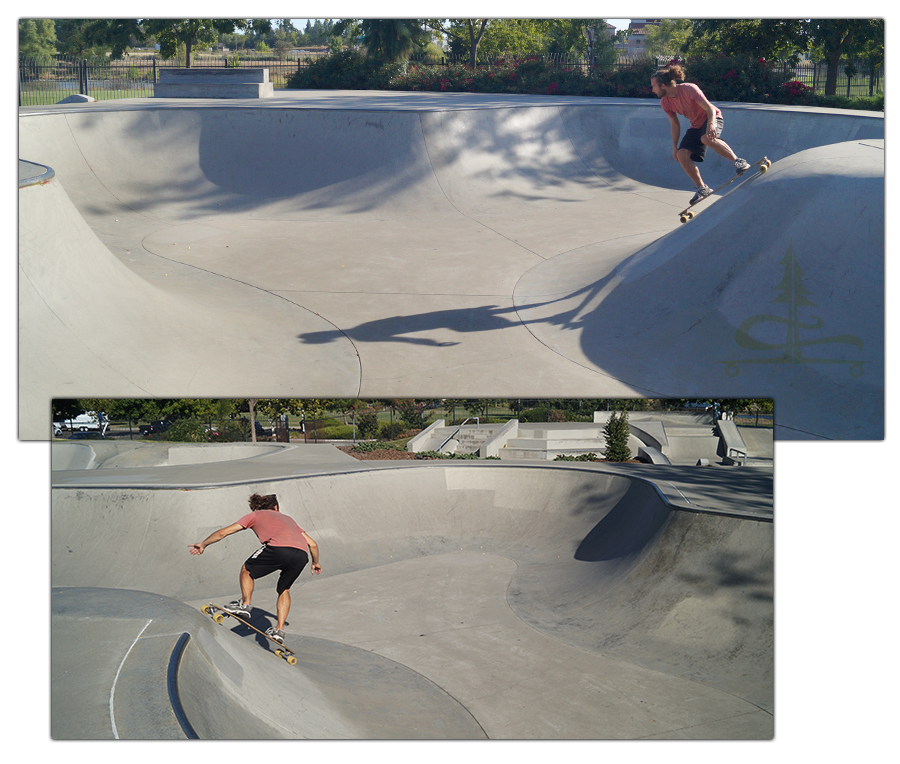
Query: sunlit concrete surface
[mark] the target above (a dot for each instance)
(338, 244)
(457, 600)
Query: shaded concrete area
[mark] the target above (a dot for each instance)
(457, 600)
(390, 244)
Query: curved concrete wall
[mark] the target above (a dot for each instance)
(600, 560)
(487, 231)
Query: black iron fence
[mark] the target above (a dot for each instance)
(44, 81)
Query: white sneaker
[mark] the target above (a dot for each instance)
(276, 634)
(236, 608)
(741, 165)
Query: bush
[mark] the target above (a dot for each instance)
(378, 445)
(738, 78)
(722, 78)
(591, 457)
(346, 70)
(188, 431)
(616, 432)
(366, 423)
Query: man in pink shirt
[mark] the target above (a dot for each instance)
(706, 125)
(285, 547)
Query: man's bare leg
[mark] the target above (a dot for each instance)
(282, 608)
(246, 586)
(687, 164)
(720, 147)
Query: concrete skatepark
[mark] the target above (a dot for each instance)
(510, 600)
(359, 244)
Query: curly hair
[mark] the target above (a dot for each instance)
(269, 501)
(669, 76)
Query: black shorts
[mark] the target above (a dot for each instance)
(692, 142)
(267, 559)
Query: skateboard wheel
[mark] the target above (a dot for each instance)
(690, 216)
(292, 660)
(763, 167)
(279, 653)
(218, 618)
(684, 219)
(205, 610)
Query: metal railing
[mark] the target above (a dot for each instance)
(44, 81)
(457, 431)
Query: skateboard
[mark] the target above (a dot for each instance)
(218, 615)
(764, 165)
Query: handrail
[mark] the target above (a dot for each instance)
(456, 431)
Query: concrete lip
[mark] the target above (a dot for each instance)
(406, 244)
(457, 601)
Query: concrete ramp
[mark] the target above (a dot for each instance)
(546, 602)
(747, 296)
(405, 244)
(179, 675)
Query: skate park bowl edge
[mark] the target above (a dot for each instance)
(458, 601)
(366, 244)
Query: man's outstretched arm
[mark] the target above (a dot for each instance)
(315, 568)
(214, 537)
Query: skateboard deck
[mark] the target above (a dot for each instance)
(764, 165)
(218, 614)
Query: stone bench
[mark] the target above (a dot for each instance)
(214, 83)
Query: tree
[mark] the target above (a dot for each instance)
(467, 33)
(385, 39)
(37, 37)
(199, 33)
(118, 34)
(834, 39)
(762, 38)
(668, 36)
(72, 38)
(616, 432)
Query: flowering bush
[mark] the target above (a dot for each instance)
(722, 78)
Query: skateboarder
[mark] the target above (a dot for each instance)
(285, 547)
(706, 125)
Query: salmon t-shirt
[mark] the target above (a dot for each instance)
(687, 102)
(275, 529)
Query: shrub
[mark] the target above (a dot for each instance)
(616, 432)
(377, 445)
(188, 431)
(366, 423)
(738, 78)
(591, 457)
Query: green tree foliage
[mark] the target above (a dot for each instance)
(37, 37)
(825, 39)
(195, 33)
(616, 432)
(386, 39)
(667, 37)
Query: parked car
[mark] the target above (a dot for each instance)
(154, 428)
(86, 436)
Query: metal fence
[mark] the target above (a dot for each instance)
(45, 81)
(50, 80)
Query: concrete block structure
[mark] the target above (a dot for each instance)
(214, 83)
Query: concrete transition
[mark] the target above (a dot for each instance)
(458, 600)
(337, 244)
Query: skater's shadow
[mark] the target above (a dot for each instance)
(482, 318)
(262, 620)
